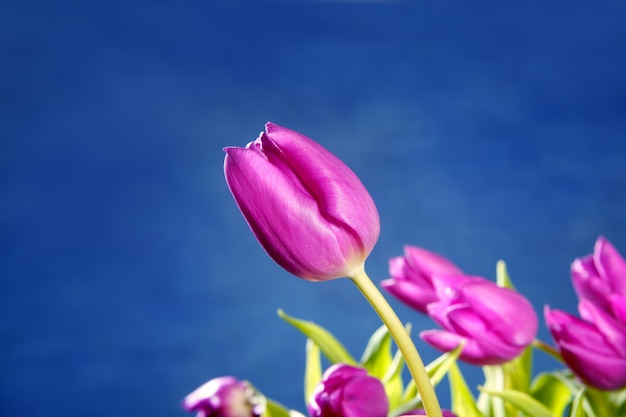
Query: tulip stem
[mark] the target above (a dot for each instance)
(403, 341)
(547, 349)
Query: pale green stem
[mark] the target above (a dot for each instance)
(547, 349)
(403, 340)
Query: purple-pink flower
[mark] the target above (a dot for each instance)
(594, 346)
(495, 323)
(308, 210)
(348, 391)
(601, 277)
(412, 276)
(225, 396)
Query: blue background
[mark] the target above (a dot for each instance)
(128, 277)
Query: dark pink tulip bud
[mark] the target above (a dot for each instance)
(412, 276)
(348, 391)
(593, 348)
(596, 277)
(308, 210)
(224, 397)
(495, 323)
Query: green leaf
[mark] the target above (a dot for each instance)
(502, 276)
(463, 403)
(382, 364)
(577, 409)
(394, 386)
(312, 370)
(274, 409)
(436, 370)
(522, 401)
(377, 355)
(332, 349)
(552, 392)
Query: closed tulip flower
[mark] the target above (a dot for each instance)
(224, 397)
(412, 276)
(348, 391)
(598, 276)
(495, 323)
(593, 347)
(308, 210)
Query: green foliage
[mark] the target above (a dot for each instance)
(330, 347)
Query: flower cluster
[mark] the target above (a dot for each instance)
(315, 218)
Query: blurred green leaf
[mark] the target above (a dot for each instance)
(377, 356)
(522, 401)
(379, 362)
(274, 409)
(312, 370)
(463, 403)
(502, 276)
(436, 370)
(552, 392)
(577, 405)
(330, 347)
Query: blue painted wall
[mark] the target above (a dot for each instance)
(128, 277)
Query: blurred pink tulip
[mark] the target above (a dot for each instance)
(598, 276)
(308, 210)
(412, 276)
(593, 348)
(495, 323)
(225, 396)
(348, 391)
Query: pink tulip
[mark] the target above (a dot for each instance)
(593, 348)
(348, 391)
(224, 397)
(598, 276)
(412, 276)
(308, 210)
(495, 323)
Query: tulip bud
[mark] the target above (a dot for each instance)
(224, 397)
(495, 323)
(412, 276)
(308, 210)
(593, 348)
(348, 391)
(596, 277)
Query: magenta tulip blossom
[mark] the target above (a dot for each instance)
(412, 276)
(598, 276)
(348, 391)
(594, 347)
(224, 397)
(308, 210)
(495, 323)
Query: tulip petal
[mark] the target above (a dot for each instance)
(509, 314)
(618, 307)
(598, 370)
(410, 293)
(473, 352)
(587, 282)
(341, 196)
(264, 194)
(428, 262)
(610, 264)
(613, 332)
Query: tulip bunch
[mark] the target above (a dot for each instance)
(314, 217)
